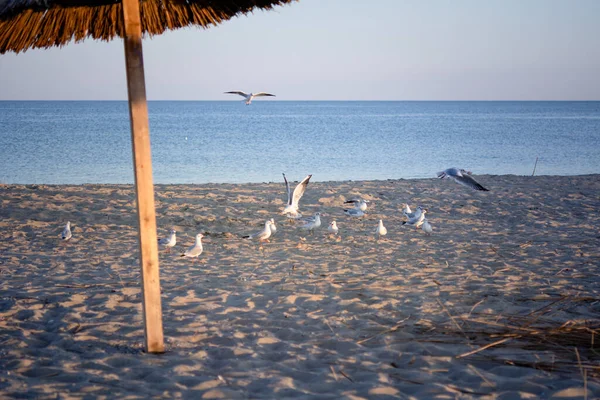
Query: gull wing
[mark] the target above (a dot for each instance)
(263, 94)
(287, 189)
(243, 94)
(299, 190)
(352, 201)
(468, 181)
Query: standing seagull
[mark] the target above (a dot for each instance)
(273, 226)
(291, 209)
(381, 230)
(169, 241)
(249, 96)
(426, 227)
(312, 223)
(333, 228)
(461, 176)
(263, 234)
(358, 203)
(66, 233)
(418, 219)
(196, 249)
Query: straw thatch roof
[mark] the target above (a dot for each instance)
(26, 24)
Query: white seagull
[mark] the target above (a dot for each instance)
(333, 228)
(249, 96)
(273, 226)
(291, 209)
(406, 211)
(354, 212)
(196, 249)
(66, 233)
(263, 234)
(169, 241)
(381, 230)
(411, 215)
(426, 227)
(461, 176)
(417, 220)
(358, 203)
(312, 223)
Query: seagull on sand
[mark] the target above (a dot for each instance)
(66, 233)
(249, 96)
(426, 227)
(381, 230)
(273, 226)
(196, 249)
(169, 241)
(263, 234)
(312, 223)
(291, 209)
(417, 220)
(406, 211)
(333, 228)
(358, 203)
(461, 176)
(410, 215)
(354, 212)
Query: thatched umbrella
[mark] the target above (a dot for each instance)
(26, 24)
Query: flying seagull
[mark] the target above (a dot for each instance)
(249, 96)
(291, 209)
(461, 176)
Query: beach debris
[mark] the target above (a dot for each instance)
(262, 235)
(417, 219)
(462, 177)
(333, 228)
(249, 96)
(426, 227)
(310, 224)
(66, 233)
(195, 250)
(361, 204)
(169, 241)
(291, 209)
(381, 230)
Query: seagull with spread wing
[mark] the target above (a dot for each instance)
(291, 208)
(461, 176)
(249, 96)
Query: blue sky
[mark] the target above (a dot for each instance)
(343, 50)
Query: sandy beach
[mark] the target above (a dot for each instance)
(502, 301)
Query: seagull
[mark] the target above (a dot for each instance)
(196, 249)
(406, 209)
(461, 176)
(263, 234)
(333, 228)
(249, 96)
(358, 203)
(417, 220)
(273, 226)
(168, 241)
(291, 209)
(410, 215)
(426, 227)
(354, 212)
(381, 230)
(312, 223)
(66, 233)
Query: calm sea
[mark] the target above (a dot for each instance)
(229, 142)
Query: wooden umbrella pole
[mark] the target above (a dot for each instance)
(142, 162)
